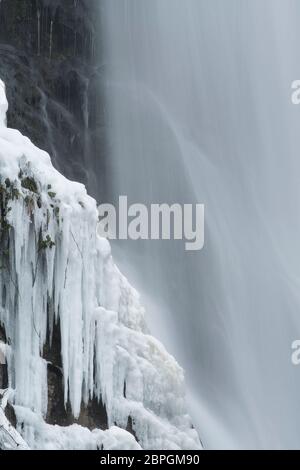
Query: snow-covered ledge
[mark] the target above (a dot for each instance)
(56, 268)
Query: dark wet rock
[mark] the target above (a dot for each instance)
(2, 334)
(130, 428)
(11, 415)
(92, 416)
(52, 348)
(3, 376)
(50, 59)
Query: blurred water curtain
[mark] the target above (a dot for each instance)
(199, 105)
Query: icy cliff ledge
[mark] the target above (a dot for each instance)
(55, 270)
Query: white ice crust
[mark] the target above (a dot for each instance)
(3, 104)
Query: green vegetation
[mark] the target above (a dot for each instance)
(30, 184)
(10, 192)
(46, 243)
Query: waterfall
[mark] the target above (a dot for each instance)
(198, 96)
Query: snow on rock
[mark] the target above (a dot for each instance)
(48, 437)
(10, 439)
(55, 267)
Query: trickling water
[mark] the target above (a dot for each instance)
(47, 123)
(200, 111)
(51, 38)
(85, 113)
(39, 32)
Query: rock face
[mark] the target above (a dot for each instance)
(92, 416)
(49, 51)
(50, 57)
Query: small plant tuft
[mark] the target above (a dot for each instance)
(30, 184)
(46, 243)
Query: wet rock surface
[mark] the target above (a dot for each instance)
(50, 60)
(92, 416)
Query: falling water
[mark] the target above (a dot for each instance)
(198, 94)
(39, 32)
(51, 39)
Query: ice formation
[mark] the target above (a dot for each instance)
(3, 104)
(54, 267)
